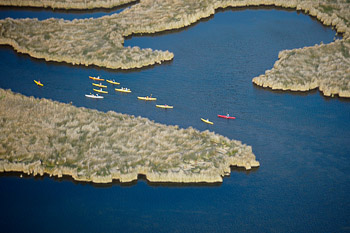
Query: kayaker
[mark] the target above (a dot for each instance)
(228, 115)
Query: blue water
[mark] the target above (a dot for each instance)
(301, 139)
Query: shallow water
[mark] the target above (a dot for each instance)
(301, 139)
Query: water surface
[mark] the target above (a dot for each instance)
(46, 13)
(301, 139)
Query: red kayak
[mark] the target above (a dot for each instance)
(226, 117)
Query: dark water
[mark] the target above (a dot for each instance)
(46, 13)
(301, 139)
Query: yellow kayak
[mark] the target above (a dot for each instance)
(99, 85)
(38, 83)
(113, 82)
(147, 98)
(100, 91)
(125, 90)
(96, 79)
(163, 106)
(207, 121)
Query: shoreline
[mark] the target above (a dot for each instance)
(40, 136)
(74, 4)
(161, 56)
(149, 17)
(327, 72)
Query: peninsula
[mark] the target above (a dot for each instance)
(100, 41)
(40, 136)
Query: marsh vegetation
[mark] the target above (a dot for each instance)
(326, 67)
(40, 136)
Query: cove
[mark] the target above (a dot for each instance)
(301, 139)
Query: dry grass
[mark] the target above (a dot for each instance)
(84, 42)
(43, 136)
(326, 67)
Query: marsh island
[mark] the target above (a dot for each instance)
(40, 136)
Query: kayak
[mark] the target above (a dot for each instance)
(147, 98)
(226, 117)
(38, 83)
(96, 79)
(99, 85)
(94, 96)
(207, 121)
(123, 90)
(100, 91)
(164, 106)
(110, 81)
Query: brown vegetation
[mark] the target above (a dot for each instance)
(40, 136)
(326, 67)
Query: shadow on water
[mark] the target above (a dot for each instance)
(140, 178)
(243, 170)
(303, 93)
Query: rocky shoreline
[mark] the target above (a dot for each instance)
(319, 66)
(100, 41)
(40, 136)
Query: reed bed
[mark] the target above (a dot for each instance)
(100, 41)
(326, 67)
(39, 136)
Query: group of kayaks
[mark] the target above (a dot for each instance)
(101, 86)
(122, 90)
(126, 90)
(150, 98)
